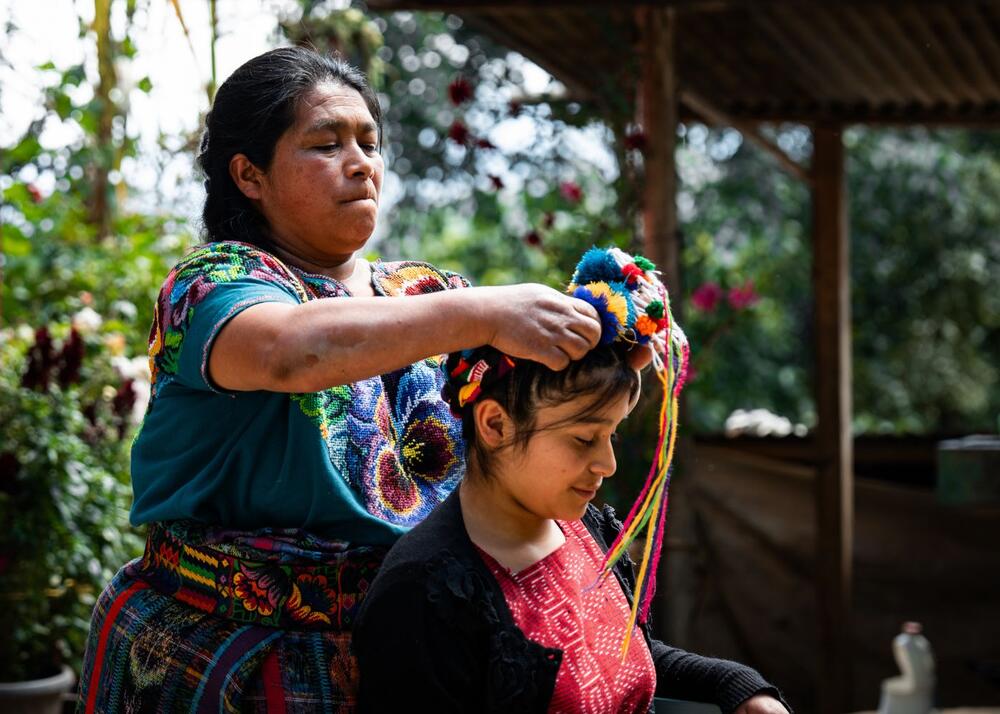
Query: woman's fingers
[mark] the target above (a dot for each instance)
(541, 324)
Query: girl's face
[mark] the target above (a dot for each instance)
(565, 461)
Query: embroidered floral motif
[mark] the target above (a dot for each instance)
(259, 589)
(312, 599)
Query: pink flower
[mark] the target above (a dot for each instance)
(706, 297)
(496, 182)
(459, 91)
(458, 132)
(740, 298)
(571, 191)
(35, 193)
(515, 108)
(485, 144)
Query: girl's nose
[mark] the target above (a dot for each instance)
(605, 464)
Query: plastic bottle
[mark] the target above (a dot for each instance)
(913, 691)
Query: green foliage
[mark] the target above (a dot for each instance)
(925, 264)
(64, 497)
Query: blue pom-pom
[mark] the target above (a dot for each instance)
(609, 323)
(597, 265)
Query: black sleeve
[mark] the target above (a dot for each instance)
(407, 655)
(682, 675)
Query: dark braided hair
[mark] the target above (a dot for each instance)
(252, 109)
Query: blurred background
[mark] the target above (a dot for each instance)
(500, 167)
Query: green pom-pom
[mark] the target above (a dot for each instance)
(645, 263)
(655, 308)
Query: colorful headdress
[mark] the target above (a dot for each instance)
(634, 308)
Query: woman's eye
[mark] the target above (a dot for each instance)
(584, 442)
(328, 147)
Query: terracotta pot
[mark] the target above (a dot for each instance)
(36, 696)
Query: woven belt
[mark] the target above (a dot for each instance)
(323, 596)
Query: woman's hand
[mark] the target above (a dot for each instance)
(538, 323)
(761, 704)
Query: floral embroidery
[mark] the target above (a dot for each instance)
(312, 599)
(259, 589)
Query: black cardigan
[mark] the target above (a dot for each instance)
(435, 630)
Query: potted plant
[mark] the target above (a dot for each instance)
(64, 495)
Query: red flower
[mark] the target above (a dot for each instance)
(496, 182)
(35, 193)
(743, 297)
(41, 361)
(459, 91)
(515, 108)
(635, 140)
(70, 359)
(571, 191)
(533, 239)
(706, 297)
(458, 132)
(485, 144)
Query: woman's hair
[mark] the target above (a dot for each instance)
(604, 374)
(252, 109)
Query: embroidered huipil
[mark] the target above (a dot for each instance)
(359, 463)
(555, 603)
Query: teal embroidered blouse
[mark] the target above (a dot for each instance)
(359, 463)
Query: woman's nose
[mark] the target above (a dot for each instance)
(359, 164)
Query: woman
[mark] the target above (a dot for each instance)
(295, 428)
(497, 599)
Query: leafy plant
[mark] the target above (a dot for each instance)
(64, 492)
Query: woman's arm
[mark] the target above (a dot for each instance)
(325, 343)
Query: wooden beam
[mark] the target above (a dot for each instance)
(658, 108)
(712, 115)
(832, 383)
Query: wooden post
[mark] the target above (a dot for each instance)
(658, 116)
(835, 476)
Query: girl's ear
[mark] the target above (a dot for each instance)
(493, 425)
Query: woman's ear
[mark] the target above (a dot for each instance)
(493, 425)
(247, 177)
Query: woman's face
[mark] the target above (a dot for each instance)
(565, 461)
(320, 194)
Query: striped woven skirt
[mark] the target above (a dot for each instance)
(215, 621)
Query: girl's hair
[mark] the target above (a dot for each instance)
(252, 109)
(603, 375)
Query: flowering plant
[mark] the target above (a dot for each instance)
(64, 488)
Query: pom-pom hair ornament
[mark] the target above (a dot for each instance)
(634, 308)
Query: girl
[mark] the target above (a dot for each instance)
(497, 601)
